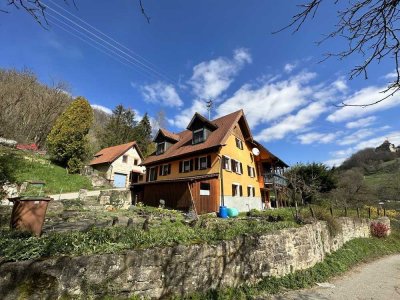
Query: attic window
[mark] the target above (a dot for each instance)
(160, 148)
(239, 143)
(198, 136)
(125, 158)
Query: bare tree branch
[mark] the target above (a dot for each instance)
(144, 12)
(371, 29)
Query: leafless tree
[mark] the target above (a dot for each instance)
(370, 27)
(37, 9)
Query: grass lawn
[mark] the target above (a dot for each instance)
(31, 166)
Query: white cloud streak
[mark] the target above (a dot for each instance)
(161, 93)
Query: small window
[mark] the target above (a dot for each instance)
(226, 163)
(250, 171)
(239, 143)
(204, 189)
(125, 158)
(237, 167)
(251, 191)
(203, 163)
(160, 148)
(198, 136)
(164, 170)
(186, 166)
(237, 190)
(135, 162)
(153, 174)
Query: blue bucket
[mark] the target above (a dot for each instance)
(223, 212)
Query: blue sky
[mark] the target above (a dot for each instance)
(193, 51)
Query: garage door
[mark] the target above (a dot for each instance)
(119, 180)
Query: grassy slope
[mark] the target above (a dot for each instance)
(30, 166)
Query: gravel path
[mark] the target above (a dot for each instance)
(377, 280)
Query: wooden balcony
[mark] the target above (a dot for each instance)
(272, 178)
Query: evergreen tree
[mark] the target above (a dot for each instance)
(67, 142)
(143, 135)
(120, 128)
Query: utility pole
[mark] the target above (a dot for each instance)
(209, 105)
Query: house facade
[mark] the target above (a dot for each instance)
(212, 163)
(120, 164)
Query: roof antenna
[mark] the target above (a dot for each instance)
(209, 105)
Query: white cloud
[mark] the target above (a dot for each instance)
(292, 123)
(271, 100)
(355, 137)
(184, 117)
(364, 96)
(360, 123)
(102, 108)
(289, 67)
(336, 162)
(211, 78)
(161, 93)
(319, 138)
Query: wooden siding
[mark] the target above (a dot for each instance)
(178, 196)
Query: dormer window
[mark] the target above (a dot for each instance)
(160, 148)
(198, 136)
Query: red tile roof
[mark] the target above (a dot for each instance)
(169, 134)
(184, 145)
(108, 155)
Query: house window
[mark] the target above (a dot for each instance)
(135, 162)
(160, 148)
(237, 166)
(198, 136)
(165, 170)
(186, 166)
(153, 174)
(251, 191)
(125, 158)
(203, 163)
(237, 190)
(204, 189)
(226, 163)
(239, 143)
(251, 171)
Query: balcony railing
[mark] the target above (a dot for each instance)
(273, 178)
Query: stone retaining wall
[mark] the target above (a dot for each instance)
(161, 272)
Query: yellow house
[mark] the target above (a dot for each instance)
(212, 163)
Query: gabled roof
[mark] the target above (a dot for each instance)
(110, 154)
(274, 159)
(203, 120)
(218, 137)
(167, 134)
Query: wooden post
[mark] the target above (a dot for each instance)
(331, 210)
(345, 211)
(379, 211)
(369, 212)
(358, 212)
(312, 212)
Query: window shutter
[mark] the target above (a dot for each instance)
(233, 190)
(169, 169)
(196, 163)
(191, 165)
(248, 191)
(249, 171)
(254, 192)
(241, 190)
(241, 168)
(180, 166)
(147, 174)
(160, 171)
(208, 161)
(233, 165)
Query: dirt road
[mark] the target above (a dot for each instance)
(377, 280)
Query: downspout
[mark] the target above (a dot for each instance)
(222, 180)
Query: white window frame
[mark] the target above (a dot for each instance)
(252, 189)
(240, 143)
(163, 150)
(183, 166)
(237, 189)
(164, 169)
(199, 162)
(229, 163)
(203, 137)
(237, 167)
(205, 192)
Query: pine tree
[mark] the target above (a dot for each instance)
(143, 135)
(120, 128)
(67, 143)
